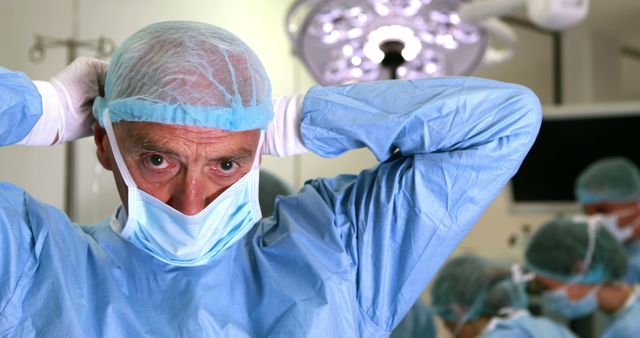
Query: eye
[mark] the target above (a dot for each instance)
(156, 162)
(228, 167)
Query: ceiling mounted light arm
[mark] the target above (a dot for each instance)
(508, 39)
(549, 14)
(478, 11)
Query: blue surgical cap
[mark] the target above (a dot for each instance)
(612, 179)
(186, 73)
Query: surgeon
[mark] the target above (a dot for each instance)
(582, 268)
(477, 297)
(609, 190)
(185, 117)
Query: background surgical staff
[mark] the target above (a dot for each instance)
(585, 80)
(610, 187)
(582, 267)
(476, 297)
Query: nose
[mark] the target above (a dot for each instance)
(192, 193)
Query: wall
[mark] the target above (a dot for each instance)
(629, 79)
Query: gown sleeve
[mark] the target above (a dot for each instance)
(447, 147)
(20, 106)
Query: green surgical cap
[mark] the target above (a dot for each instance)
(468, 287)
(613, 179)
(559, 248)
(186, 73)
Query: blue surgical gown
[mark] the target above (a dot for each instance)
(528, 326)
(626, 323)
(633, 252)
(344, 257)
(418, 323)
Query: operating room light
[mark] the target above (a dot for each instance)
(403, 7)
(344, 41)
(383, 34)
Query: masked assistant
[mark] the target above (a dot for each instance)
(613, 179)
(590, 254)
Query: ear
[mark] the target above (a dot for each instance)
(103, 149)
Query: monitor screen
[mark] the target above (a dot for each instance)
(569, 140)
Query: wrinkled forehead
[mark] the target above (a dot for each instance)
(150, 135)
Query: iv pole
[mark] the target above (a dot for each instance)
(103, 47)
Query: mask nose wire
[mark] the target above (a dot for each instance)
(124, 171)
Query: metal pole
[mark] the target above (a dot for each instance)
(70, 149)
(103, 48)
(70, 159)
(557, 68)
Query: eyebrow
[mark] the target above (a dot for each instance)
(240, 154)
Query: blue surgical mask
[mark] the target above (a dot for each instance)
(185, 240)
(557, 301)
(611, 222)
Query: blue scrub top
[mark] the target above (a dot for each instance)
(633, 252)
(626, 323)
(344, 257)
(528, 326)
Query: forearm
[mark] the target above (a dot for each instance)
(425, 116)
(20, 106)
(41, 113)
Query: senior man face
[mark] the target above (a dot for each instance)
(187, 101)
(182, 166)
(184, 102)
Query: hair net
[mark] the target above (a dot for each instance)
(468, 287)
(186, 73)
(560, 250)
(613, 179)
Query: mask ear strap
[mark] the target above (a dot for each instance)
(593, 232)
(518, 276)
(256, 158)
(124, 172)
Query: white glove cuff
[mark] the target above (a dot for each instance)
(47, 129)
(283, 133)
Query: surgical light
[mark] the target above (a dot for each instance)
(344, 41)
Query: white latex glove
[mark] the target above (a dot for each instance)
(282, 137)
(66, 103)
